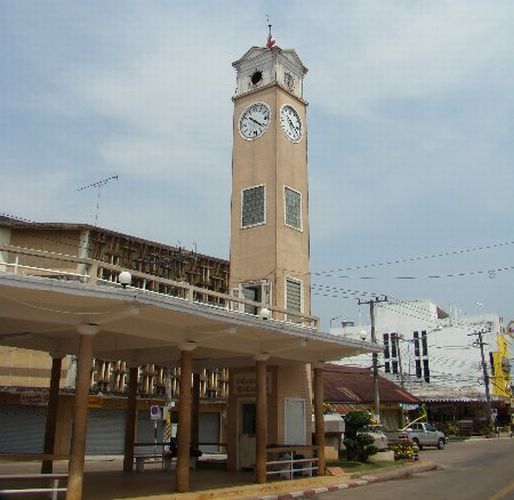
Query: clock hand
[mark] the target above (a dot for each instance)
(292, 124)
(255, 121)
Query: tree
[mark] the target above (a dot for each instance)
(359, 445)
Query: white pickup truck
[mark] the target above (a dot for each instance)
(424, 434)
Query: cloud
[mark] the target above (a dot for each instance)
(371, 52)
(410, 117)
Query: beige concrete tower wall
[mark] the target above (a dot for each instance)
(293, 246)
(253, 250)
(272, 250)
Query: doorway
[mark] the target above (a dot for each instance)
(247, 422)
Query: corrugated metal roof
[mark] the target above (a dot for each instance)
(23, 224)
(343, 408)
(354, 385)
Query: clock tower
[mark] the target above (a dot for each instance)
(269, 252)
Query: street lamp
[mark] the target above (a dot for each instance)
(125, 279)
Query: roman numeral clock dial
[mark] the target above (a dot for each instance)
(254, 121)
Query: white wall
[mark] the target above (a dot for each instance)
(454, 363)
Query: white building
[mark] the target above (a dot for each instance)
(430, 352)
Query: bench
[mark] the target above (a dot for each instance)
(164, 457)
(157, 451)
(163, 452)
(53, 488)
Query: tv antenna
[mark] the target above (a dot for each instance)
(98, 185)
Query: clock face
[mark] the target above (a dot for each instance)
(254, 121)
(291, 123)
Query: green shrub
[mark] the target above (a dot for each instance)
(359, 445)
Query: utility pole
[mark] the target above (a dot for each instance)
(376, 393)
(480, 343)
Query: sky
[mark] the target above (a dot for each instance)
(410, 133)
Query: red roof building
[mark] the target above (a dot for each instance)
(350, 388)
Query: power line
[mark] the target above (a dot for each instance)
(491, 274)
(417, 258)
(413, 311)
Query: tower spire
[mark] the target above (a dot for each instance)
(269, 42)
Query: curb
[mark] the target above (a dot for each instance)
(353, 483)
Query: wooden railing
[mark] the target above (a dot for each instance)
(29, 261)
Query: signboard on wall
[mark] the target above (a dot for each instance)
(34, 398)
(95, 401)
(155, 412)
(245, 384)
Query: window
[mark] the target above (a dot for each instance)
(426, 371)
(294, 298)
(418, 368)
(395, 366)
(393, 345)
(416, 344)
(386, 346)
(387, 367)
(253, 206)
(256, 291)
(249, 418)
(292, 208)
(251, 293)
(424, 343)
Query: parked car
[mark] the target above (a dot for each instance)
(381, 442)
(423, 434)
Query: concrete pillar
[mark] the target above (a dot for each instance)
(51, 416)
(79, 429)
(130, 420)
(184, 416)
(318, 416)
(195, 412)
(261, 431)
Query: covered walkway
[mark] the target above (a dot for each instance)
(60, 304)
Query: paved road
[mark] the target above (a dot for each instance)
(471, 470)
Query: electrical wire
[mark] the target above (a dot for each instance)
(417, 258)
(491, 272)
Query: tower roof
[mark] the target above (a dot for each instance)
(256, 53)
